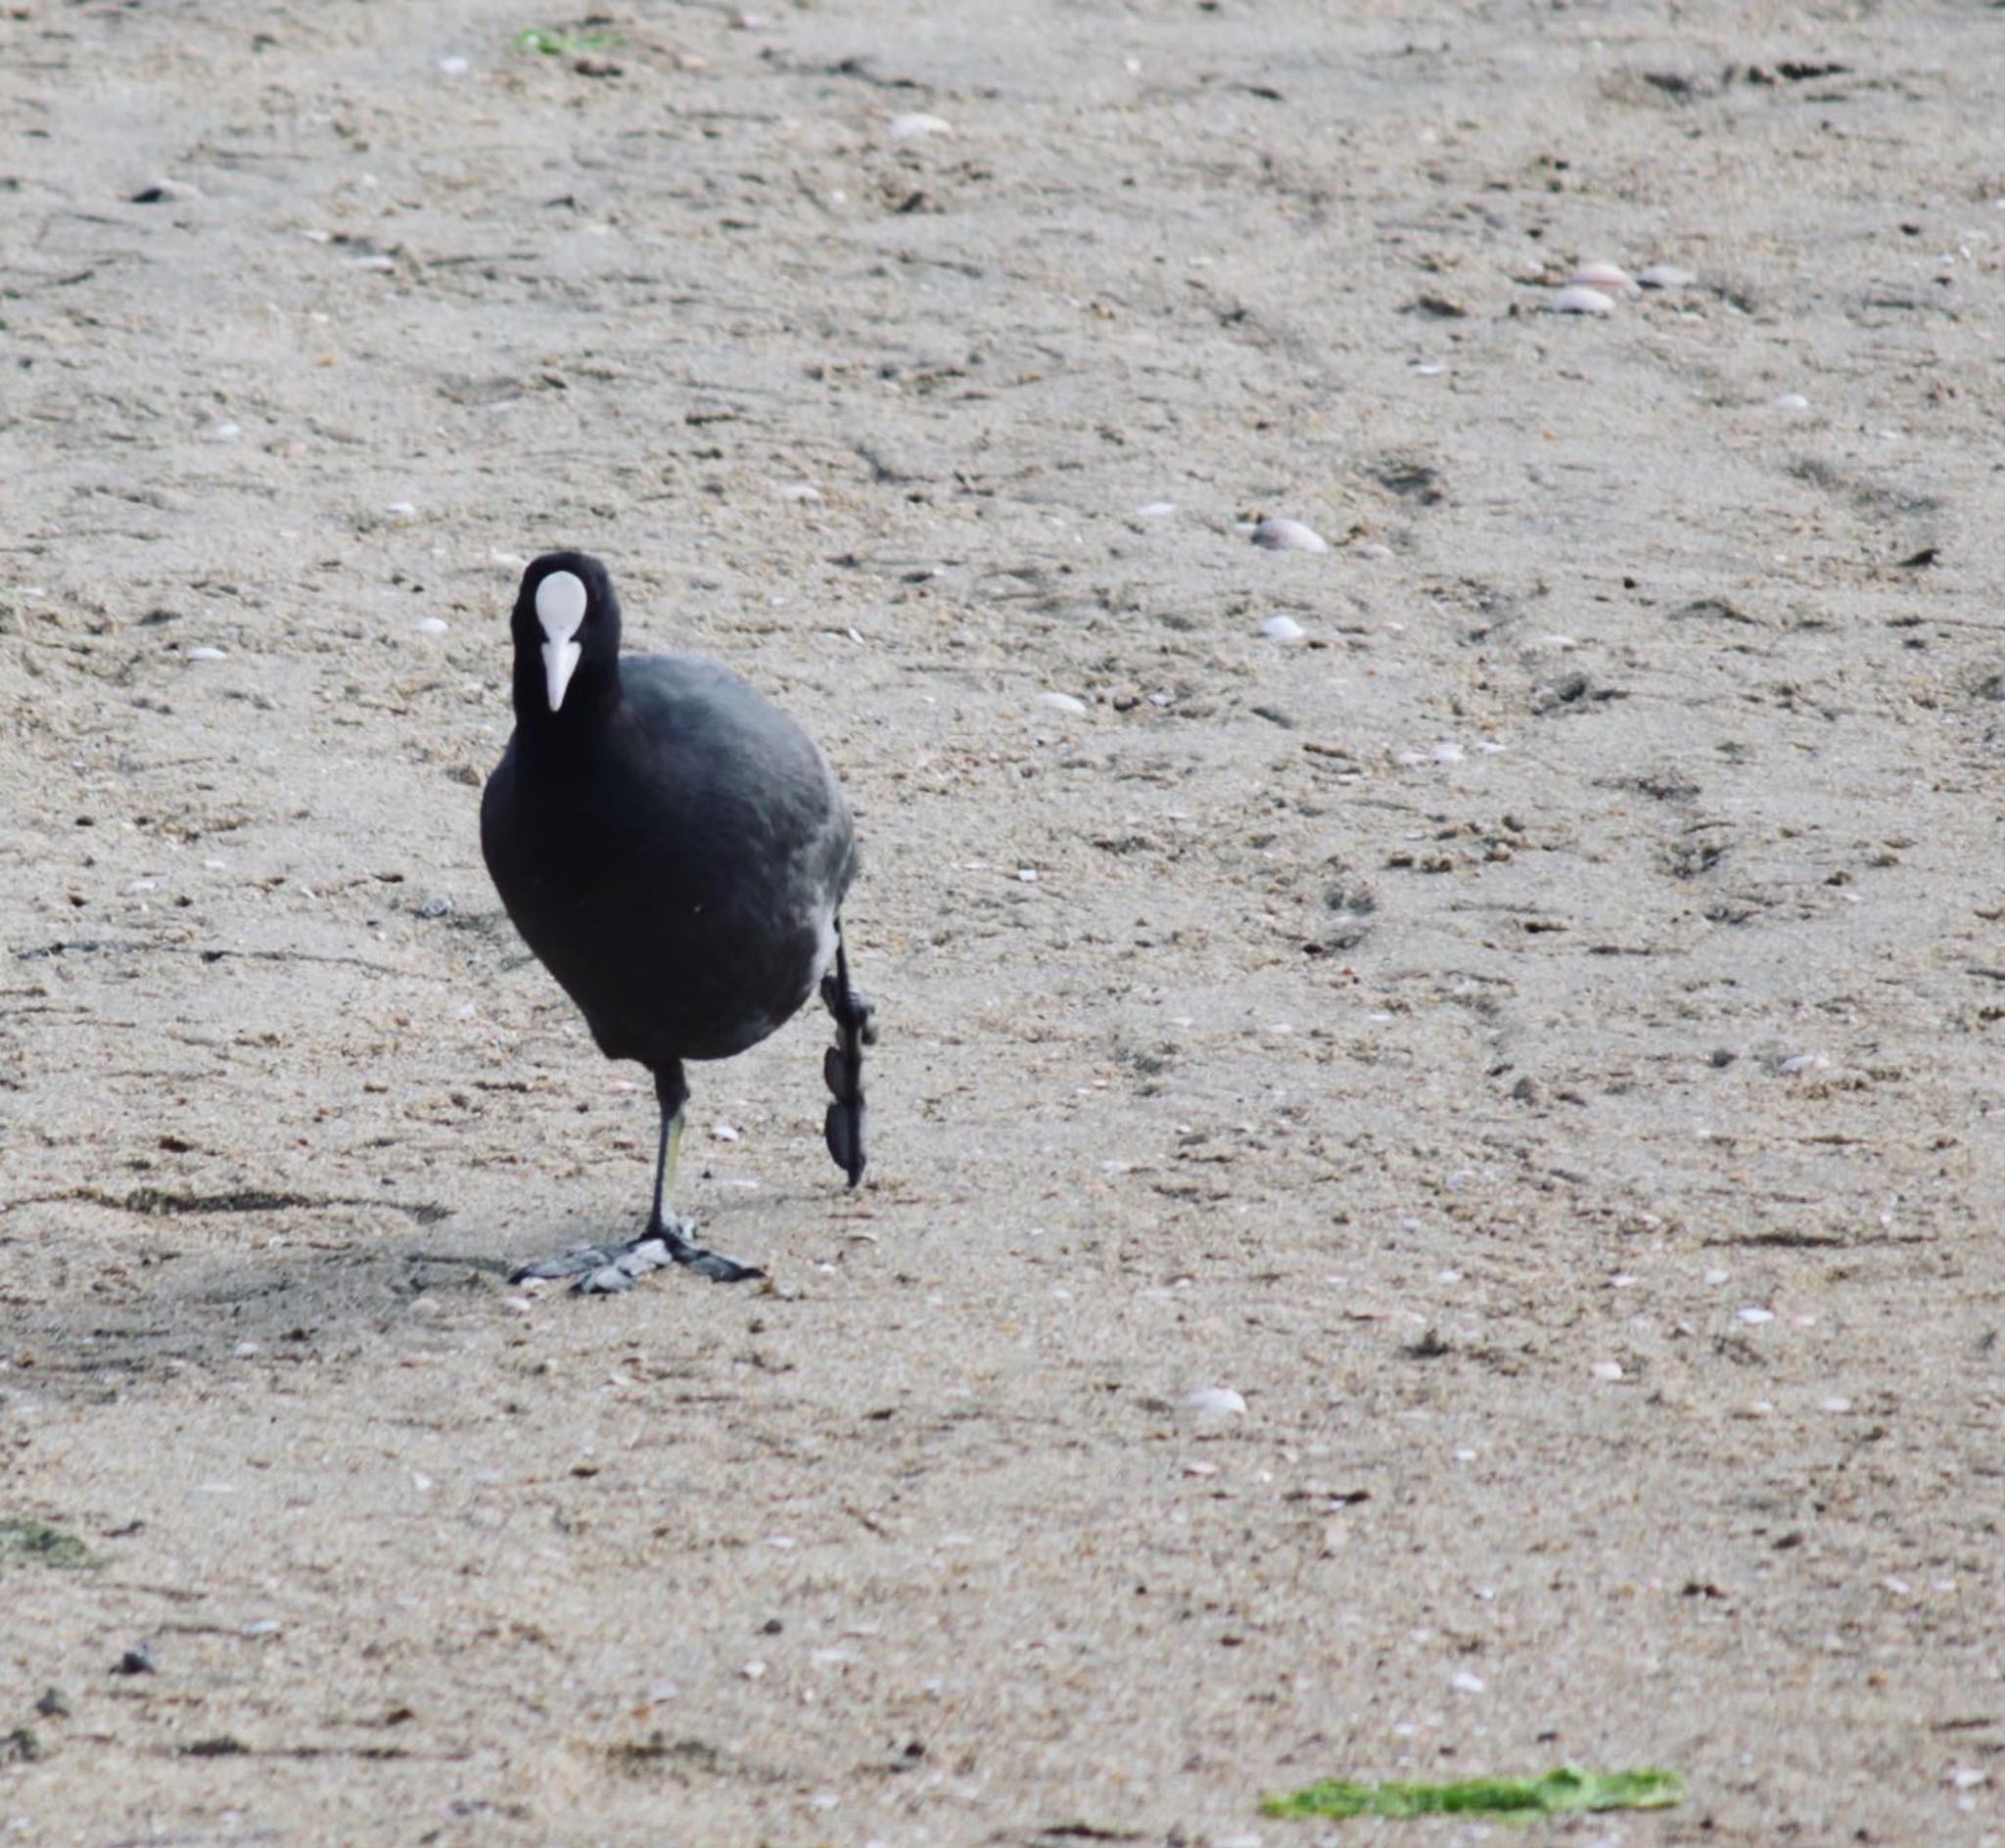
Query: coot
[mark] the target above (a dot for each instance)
(675, 849)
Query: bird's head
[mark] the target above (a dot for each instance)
(567, 629)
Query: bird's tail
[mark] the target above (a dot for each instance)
(842, 1065)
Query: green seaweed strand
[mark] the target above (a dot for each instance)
(1556, 1791)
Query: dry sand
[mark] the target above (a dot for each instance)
(1535, 1036)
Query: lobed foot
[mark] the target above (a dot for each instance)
(605, 1270)
(842, 1068)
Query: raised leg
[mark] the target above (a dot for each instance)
(842, 1065)
(603, 1269)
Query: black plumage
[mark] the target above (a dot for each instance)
(676, 851)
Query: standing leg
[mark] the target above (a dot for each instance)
(664, 1224)
(603, 1269)
(842, 1065)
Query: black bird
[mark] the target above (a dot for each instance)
(676, 851)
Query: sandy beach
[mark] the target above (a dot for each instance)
(1435, 1182)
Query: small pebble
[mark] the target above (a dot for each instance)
(137, 1661)
(1611, 279)
(1790, 401)
(1282, 628)
(723, 1132)
(754, 1671)
(454, 66)
(916, 123)
(1799, 1062)
(1608, 1370)
(1157, 509)
(1372, 550)
(1061, 702)
(203, 654)
(400, 510)
(1755, 1317)
(430, 626)
(1288, 535)
(1464, 1683)
(799, 491)
(225, 432)
(1665, 276)
(434, 908)
(1213, 1402)
(1577, 298)
(264, 1627)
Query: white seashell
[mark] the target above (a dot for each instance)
(1801, 1062)
(1790, 401)
(1447, 751)
(1213, 1402)
(1282, 628)
(225, 432)
(203, 654)
(1289, 535)
(430, 626)
(1374, 550)
(1755, 1317)
(1665, 276)
(1607, 1369)
(910, 127)
(1157, 509)
(800, 491)
(1464, 1683)
(1611, 279)
(1061, 702)
(401, 510)
(454, 67)
(1577, 298)
(723, 1133)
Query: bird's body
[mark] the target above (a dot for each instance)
(709, 881)
(675, 849)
